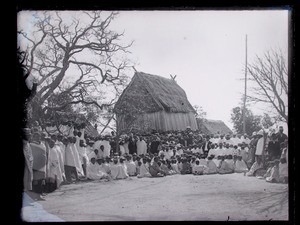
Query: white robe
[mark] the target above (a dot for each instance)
(141, 147)
(211, 167)
(131, 168)
(260, 146)
(78, 164)
(54, 169)
(144, 171)
(69, 156)
(94, 173)
(203, 162)
(175, 167)
(107, 148)
(240, 166)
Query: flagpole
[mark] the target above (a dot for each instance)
(245, 94)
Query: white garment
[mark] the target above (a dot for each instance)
(196, 169)
(54, 169)
(203, 162)
(240, 166)
(283, 170)
(211, 167)
(131, 168)
(260, 146)
(69, 156)
(107, 148)
(144, 171)
(175, 167)
(78, 164)
(94, 173)
(141, 147)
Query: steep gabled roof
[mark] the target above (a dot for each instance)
(213, 127)
(166, 93)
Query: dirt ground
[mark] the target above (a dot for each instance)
(177, 197)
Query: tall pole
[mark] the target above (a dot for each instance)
(245, 95)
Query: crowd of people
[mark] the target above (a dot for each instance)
(71, 155)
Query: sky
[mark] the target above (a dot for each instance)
(205, 49)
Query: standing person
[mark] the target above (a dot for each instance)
(273, 148)
(281, 137)
(252, 148)
(83, 156)
(39, 165)
(132, 145)
(70, 164)
(141, 146)
(260, 147)
(206, 145)
(154, 145)
(28, 172)
(54, 171)
(107, 147)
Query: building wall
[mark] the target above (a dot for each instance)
(160, 120)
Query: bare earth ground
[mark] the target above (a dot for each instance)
(177, 197)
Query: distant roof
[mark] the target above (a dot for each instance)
(167, 94)
(213, 126)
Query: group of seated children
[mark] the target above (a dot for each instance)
(152, 165)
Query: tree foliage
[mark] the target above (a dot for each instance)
(73, 58)
(252, 121)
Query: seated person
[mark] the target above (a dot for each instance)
(144, 169)
(122, 169)
(186, 167)
(131, 166)
(198, 169)
(224, 167)
(229, 160)
(164, 169)
(93, 172)
(274, 174)
(211, 166)
(154, 168)
(283, 171)
(240, 165)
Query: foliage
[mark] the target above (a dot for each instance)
(252, 121)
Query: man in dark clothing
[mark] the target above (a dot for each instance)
(273, 148)
(132, 145)
(154, 145)
(281, 137)
(206, 145)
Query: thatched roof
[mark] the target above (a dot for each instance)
(213, 126)
(165, 94)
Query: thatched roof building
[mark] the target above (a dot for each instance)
(213, 127)
(152, 102)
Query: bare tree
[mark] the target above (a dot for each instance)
(270, 77)
(75, 56)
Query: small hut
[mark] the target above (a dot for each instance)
(152, 102)
(213, 126)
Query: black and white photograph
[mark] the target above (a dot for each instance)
(155, 115)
